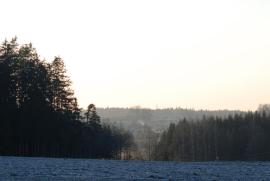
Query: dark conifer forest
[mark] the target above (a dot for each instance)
(39, 114)
(240, 137)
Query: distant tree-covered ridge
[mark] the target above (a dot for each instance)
(158, 119)
(39, 114)
(239, 137)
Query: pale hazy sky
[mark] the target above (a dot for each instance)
(208, 54)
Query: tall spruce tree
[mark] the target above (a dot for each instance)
(91, 115)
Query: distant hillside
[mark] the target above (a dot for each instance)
(157, 119)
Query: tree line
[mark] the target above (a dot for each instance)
(238, 137)
(39, 114)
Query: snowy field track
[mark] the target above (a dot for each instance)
(25, 168)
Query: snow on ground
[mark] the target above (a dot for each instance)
(25, 168)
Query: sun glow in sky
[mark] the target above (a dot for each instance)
(208, 54)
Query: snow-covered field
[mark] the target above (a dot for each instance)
(19, 168)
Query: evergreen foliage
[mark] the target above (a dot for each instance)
(238, 137)
(39, 114)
